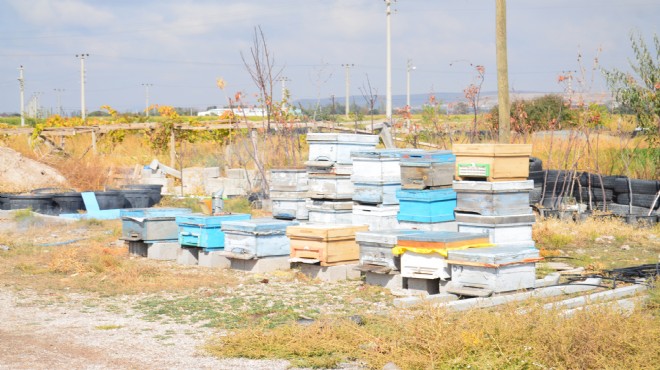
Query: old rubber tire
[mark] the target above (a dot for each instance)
(639, 200)
(638, 186)
(594, 181)
(535, 164)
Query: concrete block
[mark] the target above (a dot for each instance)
(394, 281)
(261, 265)
(434, 226)
(441, 298)
(330, 273)
(137, 248)
(406, 302)
(188, 256)
(423, 287)
(163, 251)
(213, 259)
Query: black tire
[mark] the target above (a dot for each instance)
(564, 188)
(535, 195)
(535, 164)
(558, 175)
(593, 180)
(537, 176)
(596, 194)
(638, 186)
(638, 200)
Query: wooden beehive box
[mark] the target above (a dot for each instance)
(378, 217)
(499, 269)
(492, 162)
(500, 229)
(286, 180)
(151, 224)
(330, 187)
(424, 255)
(429, 205)
(376, 249)
(429, 169)
(289, 205)
(493, 198)
(380, 165)
(256, 238)
(205, 231)
(329, 211)
(325, 244)
(376, 192)
(335, 147)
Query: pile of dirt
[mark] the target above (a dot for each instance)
(20, 174)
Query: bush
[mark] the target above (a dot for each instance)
(537, 114)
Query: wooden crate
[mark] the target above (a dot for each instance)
(493, 198)
(330, 187)
(376, 192)
(380, 165)
(377, 217)
(492, 162)
(325, 244)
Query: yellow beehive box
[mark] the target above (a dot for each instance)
(325, 244)
(492, 162)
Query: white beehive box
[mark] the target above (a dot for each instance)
(500, 269)
(378, 217)
(329, 211)
(286, 180)
(493, 198)
(260, 237)
(376, 192)
(424, 266)
(334, 147)
(380, 165)
(376, 248)
(433, 226)
(501, 229)
(330, 187)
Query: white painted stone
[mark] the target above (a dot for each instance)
(261, 265)
(213, 259)
(330, 273)
(389, 281)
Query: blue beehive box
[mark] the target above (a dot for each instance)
(150, 224)
(427, 206)
(260, 237)
(204, 231)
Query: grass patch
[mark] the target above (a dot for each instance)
(108, 327)
(431, 338)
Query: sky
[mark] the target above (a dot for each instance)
(180, 48)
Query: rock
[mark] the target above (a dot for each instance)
(391, 366)
(4, 247)
(625, 247)
(604, 239)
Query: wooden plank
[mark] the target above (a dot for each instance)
(441, 244)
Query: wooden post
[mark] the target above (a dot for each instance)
(172, 149)
(94, 142)
(502, 73)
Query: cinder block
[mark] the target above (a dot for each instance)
(422, 287)
(441, 298)
(163, 251)
(188, 256)
(213, 259)
(137, 248)
(406, 302)
(330, 273)
(261, 265)
(389, 281)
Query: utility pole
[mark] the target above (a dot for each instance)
(409, 67)
(283, 81)
(348, 86)
(59, 101)
(388, 68)
(21, 84)
(502, 73)
(83, 113)
(37, 102)
(146, 97)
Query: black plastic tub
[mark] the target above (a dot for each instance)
(69, 202)
(110, 199)
(4, 201)
(40, 203)
(136, 198)
(153, 189)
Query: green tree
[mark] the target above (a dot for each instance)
(640, 92)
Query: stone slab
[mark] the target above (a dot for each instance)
(423, 287)
(389, 281)
(213, 259)
(330, 273)
(163, 251)
(261, 265)
(188, 256)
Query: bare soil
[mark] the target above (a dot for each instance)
(21, 174)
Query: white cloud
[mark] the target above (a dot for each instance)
(67, 12)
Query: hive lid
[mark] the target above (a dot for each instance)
(494, 255)
(382, 153)
(389, 237)
(441, 239)
(153, 212)
(428, 156)
(342, 138)
(260, 225)
(500, 186)
(426, 195)
(325, 231)
(200, 219)
(492, 149)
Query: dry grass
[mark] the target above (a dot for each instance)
(431, 338)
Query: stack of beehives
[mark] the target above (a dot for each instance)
(426, 198)
(376, 179)
(288, 192)
(492, 197)
(330, 194)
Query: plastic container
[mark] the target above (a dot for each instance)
(155, 191)
(110, 199)
(69, 202)
(136, 198)
(40, 203)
